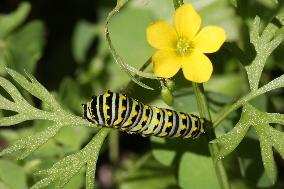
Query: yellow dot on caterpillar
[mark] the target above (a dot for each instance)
(177, 135)
(129, 122)
(194, 128)
(157, 122)
(148, 132)
(118, 121)
(183, 116)
(145, 118)
(163, 134)
(107, 107)
(183, 127)
(170, 124)
(194, 118)
(134, 113)
(123, 108)
(157, 111)
(107, 95)
(123, 97)
(146, 106)
(202, 130)
(169, 113)
(135, 102)
(138, 127)
(188, 136)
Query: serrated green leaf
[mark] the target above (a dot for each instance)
(264, 44)
(11, 21)
(11, 90)
(267, 157)
(35, 88)
(61, 172)
(9, 171)
(27, 145)
(229, 141)
(268, 136)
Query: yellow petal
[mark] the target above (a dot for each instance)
(166, 63)
(209, 39)
(161, 35)
(186, 21)
(197, 67)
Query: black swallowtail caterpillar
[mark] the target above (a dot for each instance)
(115, 110)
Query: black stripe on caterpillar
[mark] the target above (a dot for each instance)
(115, 110)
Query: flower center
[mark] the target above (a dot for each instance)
(184, 46)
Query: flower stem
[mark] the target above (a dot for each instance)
(177, 3)
(114, 147)
(204, 112)
(210, 135)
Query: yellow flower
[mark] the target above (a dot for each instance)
(183, 45)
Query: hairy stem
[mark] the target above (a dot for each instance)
(114, 146)
(210, 135)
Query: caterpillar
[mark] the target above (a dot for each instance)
(115, 110)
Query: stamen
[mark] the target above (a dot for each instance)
(184, 46)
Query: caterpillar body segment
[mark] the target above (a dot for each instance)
(115, 110)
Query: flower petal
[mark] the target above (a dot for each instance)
(187, 21)
(166, 63)
(209, 39)
(161, 35)
(197, 67)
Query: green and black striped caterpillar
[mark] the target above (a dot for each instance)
(115, 110)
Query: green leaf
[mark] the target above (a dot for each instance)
(147, 176)
(11, 21)
(229, 84)
(9, 171)
(69, 138)
(83, 37)
(26, 45)
(197, 171)
(70, 95)
(220, 13)
(163, 155)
